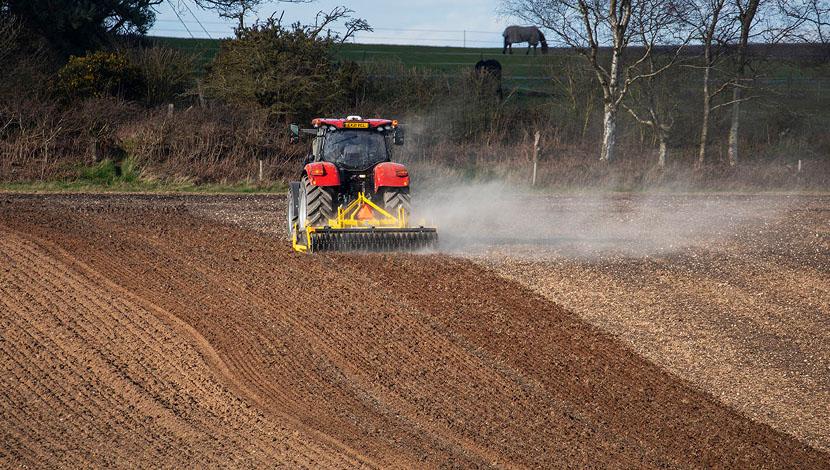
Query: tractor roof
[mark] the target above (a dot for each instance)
(340, 123)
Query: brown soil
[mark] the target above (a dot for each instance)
(179, 331)
(734, 297)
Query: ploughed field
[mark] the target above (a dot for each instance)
(183, 331)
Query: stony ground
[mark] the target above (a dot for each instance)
(729, 292)
(182, 331)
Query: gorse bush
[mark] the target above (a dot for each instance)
(149, 75)
(99, 74)
(291, 72)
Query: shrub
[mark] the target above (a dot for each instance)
(99, 74)
(165, 73)
(291, 72)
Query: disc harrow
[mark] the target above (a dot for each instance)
(372, 240)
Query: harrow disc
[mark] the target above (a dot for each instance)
(373, 240)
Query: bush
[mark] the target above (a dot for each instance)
(166, 74)
(99, 74)
(291, 72)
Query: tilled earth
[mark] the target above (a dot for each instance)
(729, 292)
(182, 331)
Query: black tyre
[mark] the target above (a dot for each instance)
(316, 205)
(394, 198)
(293, 205)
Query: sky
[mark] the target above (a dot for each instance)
(423, 22)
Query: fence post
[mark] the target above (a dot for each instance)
(536, 137)
(260, 169)
(93, 150)
(201, 94)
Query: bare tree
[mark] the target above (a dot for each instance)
(766, 22)
(713, 26)
(324, 20)
(747, 10)
(588, 26)
(813, 16)
(653, 106)
(656, 114)
(238, 9)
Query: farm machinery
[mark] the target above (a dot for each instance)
(350, 195)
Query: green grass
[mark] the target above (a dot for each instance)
(439, 58)
(204, 49)
(519, 70)
(106, 176)
(78, 186)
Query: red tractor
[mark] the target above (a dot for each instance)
(350, 195)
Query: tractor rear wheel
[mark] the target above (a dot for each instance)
(316, 204)
(394, 198)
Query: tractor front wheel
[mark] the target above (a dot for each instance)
(317, 205)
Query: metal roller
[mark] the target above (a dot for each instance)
(372, 239)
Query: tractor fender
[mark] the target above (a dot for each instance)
(322, 174)
(391, 175)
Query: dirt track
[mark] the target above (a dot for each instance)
(158, 331)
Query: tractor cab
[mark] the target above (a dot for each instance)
(352, 142)
(355, 146)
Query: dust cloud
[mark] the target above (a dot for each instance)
(480, 217)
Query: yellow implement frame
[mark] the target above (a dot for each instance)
(347, 219)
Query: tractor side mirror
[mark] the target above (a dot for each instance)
(398, 136)
(295, 133)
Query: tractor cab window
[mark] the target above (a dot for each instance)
(355, 150)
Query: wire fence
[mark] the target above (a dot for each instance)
(449, 37)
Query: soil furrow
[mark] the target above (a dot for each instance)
(206, 343)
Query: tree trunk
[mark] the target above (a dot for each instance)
(663, 138)
(611, 99)
(609, 133)
(746, 15)
(734, 128)
(708, 37)
(704, 127)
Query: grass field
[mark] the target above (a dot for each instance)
(439, 58)
(522, 71)
(519, 69)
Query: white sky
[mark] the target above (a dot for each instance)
(395, 22)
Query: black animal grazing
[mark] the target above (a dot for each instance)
(529, 34)
(489, 71)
